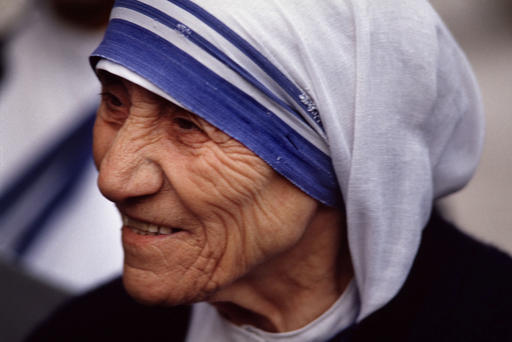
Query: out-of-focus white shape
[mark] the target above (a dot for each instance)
(47, 89)
(10, 12)
(484, 30)
(84, 246)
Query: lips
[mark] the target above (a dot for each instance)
(146, 228)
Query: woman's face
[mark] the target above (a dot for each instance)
(213, 209)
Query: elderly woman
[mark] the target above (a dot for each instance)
(275, 164)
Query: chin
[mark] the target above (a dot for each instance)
(148, 289)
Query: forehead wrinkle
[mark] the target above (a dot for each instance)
(143, 100)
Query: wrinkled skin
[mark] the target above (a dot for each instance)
(161, 164)
(246, 239)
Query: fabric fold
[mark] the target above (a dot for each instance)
(369, 106)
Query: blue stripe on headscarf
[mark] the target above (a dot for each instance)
(222, 104)
(208, 47)
(297, 94)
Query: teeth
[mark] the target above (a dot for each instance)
(144, 228)
(164, 230)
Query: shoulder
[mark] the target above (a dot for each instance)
(108, 312)
(458, 290)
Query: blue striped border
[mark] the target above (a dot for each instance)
(247, 49)
(216, 100)
(197, 39)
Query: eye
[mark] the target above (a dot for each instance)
(186, 124)
(111, 99)
(114, 108)
(187, 131)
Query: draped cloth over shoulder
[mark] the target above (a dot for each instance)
(366, 105)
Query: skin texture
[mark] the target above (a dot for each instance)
(248, 241)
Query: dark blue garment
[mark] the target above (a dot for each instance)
(458, 290)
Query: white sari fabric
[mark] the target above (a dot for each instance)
(364, 104)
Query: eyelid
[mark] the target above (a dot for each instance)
(111, 96)
(186, 119)
(113, 113)
(177, 112)
(115, 90)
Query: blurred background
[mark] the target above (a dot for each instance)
(59, 237)
(484, 30)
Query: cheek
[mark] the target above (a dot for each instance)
(221, 190)
(286, 214)
(216, 182)
(243, 202)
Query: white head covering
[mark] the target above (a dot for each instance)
(378, 87)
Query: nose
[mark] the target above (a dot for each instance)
(127, 169)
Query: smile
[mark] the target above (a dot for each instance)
(145, 228)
